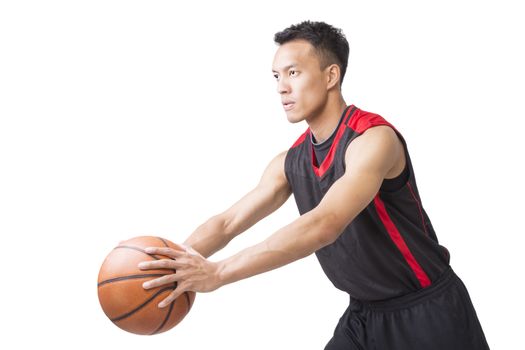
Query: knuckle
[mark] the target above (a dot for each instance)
(168, 278)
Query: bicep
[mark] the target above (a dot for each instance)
(269, 194)
(368, 159)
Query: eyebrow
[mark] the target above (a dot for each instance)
(285, 68)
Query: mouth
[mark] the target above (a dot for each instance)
(288, 105)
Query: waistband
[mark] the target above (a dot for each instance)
(442, 283)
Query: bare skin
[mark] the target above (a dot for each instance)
(375, 155)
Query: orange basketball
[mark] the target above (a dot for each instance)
(125, 302)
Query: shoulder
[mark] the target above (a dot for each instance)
(363, 120)
(379, 138)
(380, 133)
(378, 147)
(277, 164)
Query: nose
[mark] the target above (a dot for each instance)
(283, 86)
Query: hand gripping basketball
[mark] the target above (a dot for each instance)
(123, 299)
(193, 272)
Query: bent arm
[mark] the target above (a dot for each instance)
(368, 159)
(269, 194)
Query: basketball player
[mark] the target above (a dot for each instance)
(361, 214)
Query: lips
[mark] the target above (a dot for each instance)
(288, 105)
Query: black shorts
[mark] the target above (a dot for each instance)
(438, 317)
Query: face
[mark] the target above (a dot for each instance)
(300, 81)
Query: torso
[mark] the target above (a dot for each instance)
(390, 248)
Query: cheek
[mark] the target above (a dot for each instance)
(312, 94)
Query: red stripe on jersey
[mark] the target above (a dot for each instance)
(301, 138)
(422, 277)
(319, 171)
(364, 120)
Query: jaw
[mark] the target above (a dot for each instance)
(294, 118)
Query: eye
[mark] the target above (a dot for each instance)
(293, 73)
(276, 76)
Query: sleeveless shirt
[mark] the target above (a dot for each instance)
(390, 248)
(321, 150)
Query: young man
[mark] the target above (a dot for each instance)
(361, 214)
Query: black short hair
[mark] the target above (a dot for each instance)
(329, 42)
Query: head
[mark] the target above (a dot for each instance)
(309, 66)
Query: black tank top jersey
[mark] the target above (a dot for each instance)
(390, 248)
(321, 149)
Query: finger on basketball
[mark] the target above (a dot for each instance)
(167, 279)
(160, 264)
(172, 253)
(121, 294)
(171, 297)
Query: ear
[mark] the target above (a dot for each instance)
(333, 75)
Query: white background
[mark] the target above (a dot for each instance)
(126, 118)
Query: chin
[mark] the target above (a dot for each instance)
(294, 118)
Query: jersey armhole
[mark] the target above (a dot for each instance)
(396, 183)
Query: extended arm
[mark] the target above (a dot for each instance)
(269, 194)
(368, 160)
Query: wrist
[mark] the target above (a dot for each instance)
(222, 273)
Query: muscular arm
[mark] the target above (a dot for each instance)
(368, 159)
(270, 193)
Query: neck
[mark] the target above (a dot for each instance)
(325, 122)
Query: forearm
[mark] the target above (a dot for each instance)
(293, 242)
(209, 237)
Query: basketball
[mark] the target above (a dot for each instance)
(125, 302)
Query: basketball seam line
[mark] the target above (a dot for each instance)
(137, 249)
(142, 251)
(188, 300)
(123, 278)
(115, 319)
(165, 319)
(164, 242)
